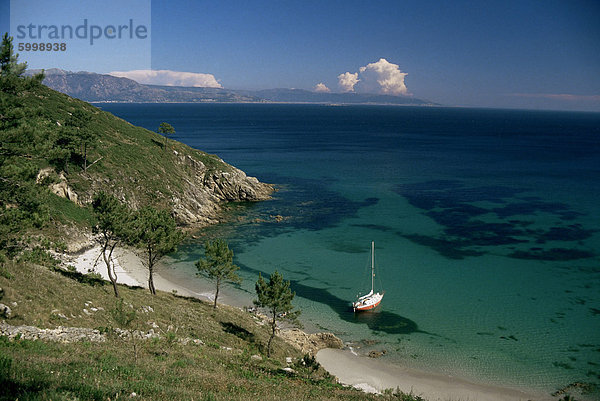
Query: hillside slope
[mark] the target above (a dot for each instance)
(182, 350)
(54, 145)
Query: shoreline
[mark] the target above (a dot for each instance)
(129, 269)
(376, 376)
(361, 372)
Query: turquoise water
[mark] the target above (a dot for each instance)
(485, 222)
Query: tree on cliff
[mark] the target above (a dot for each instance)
(155, 232)
(9, 60)
(20, 204)
(218, 265)
(113, 219)
(11, 71)
(166, 129)
(276, 297)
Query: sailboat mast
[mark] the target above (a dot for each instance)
(372, 266)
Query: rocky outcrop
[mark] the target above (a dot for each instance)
(59, 334)
(310, 343)
(196, 197)
(60, 188)
(377, 354)
(77, 334)
(199, 201)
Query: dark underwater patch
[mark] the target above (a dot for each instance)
(451, 249)
(377, 227)
(470, 229)
(572, 232)
(307, 204)
(554, 254)
(345, 247)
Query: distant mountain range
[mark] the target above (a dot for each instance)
(92, 87)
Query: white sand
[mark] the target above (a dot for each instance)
(91, 261)
(366, 373)
(130, 271)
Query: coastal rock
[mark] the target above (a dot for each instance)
(76, 334)
(377, 354)
(199, 201)
(310, 343)
(198, 197)
(580, 387)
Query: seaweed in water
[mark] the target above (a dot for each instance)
(466, 227)
(557, 254)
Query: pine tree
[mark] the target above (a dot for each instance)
(218, 265)
(276, 297)
(156, 233)
(8, 59)
(166, 129)
(11, 71)
(113, 221)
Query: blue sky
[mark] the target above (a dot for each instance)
(518, 54)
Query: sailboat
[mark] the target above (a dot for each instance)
(372, 299)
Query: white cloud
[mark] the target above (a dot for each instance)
(383, 77)
(321, 87)
(169, 78)
(379, 77)
(346, 81)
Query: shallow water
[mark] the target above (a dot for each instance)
(485, 224)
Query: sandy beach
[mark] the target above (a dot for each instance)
(375, 375)
(130, 271)
(364, 373)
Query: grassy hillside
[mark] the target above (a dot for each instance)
(54, 144)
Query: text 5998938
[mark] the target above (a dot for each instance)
(42, 47)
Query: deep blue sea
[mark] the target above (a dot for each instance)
(486, 225)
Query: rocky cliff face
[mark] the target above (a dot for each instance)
(196, 197)
(199, 203)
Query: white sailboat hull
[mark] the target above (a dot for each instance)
(367, 302)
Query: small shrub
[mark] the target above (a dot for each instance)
(60, 246)
(93, 276)
(122, 315)
(170, 337)
(40, 256)
(310, 362)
